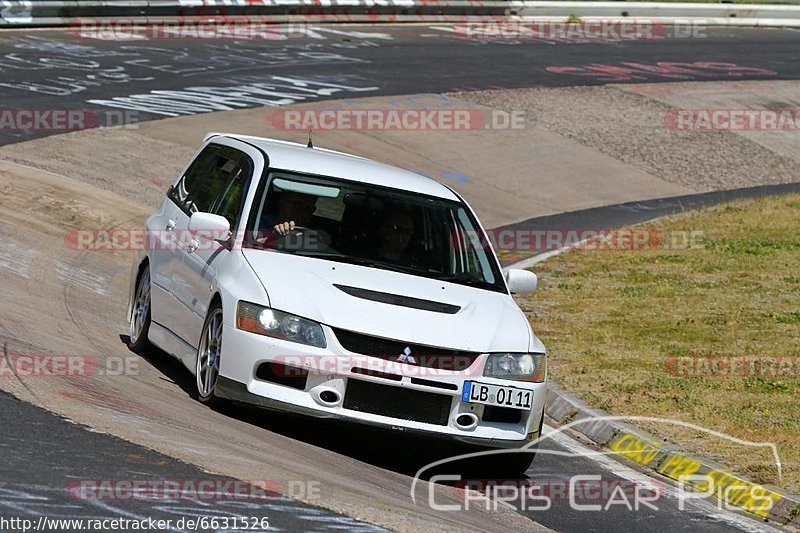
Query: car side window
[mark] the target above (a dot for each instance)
(221, 169)
(214, 183)
(183, 192)
(230, 201)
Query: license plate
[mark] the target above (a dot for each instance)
(501, 396)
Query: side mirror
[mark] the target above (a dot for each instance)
(209, 226)
(520, 281)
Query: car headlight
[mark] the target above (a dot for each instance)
(273, 323)
(517, 366)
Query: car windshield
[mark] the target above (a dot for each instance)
(391, 229)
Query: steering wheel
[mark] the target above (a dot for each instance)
(301, 238)
(297, 230)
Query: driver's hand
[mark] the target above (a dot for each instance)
(284, 227)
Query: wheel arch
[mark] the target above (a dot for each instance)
(216, 298)
(136, 274)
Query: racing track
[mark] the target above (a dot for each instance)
(72, 303)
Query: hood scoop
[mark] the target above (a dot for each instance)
(397, 299)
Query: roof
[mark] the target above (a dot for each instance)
(297, 157)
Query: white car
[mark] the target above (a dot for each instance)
(377, 300)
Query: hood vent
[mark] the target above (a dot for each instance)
(397, 299)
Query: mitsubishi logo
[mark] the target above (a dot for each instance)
(406, 357)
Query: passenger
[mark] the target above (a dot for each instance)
(396, 232)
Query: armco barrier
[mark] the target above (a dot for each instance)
(60, 12)
(25, 13)
(660, 10)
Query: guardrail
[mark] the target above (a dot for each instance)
(27, 13)
(58, 12)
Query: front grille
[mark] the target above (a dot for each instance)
(493, 413)
(431, 383)
(391, 350)
(397, 402)
(375, 373)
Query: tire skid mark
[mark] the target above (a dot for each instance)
(83, 259)
(17, 260)
(13, 368)
(88, 391)
(79, 277)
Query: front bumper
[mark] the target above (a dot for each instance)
(244, 353)
(237, 392)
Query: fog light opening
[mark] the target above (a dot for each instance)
(466, 421)
(329, 396)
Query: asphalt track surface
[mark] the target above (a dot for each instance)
(59, 70)
(55, 70)
(51, 467)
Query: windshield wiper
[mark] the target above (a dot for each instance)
(464, 278)
(361, 261)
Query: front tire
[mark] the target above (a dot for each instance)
(140, 315)
(209, 352)
(513, 465)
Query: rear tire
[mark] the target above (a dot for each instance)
(209, 352)
(140, 315)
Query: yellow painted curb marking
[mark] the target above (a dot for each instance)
(637, 449)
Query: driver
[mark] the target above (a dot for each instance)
(294, 209)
